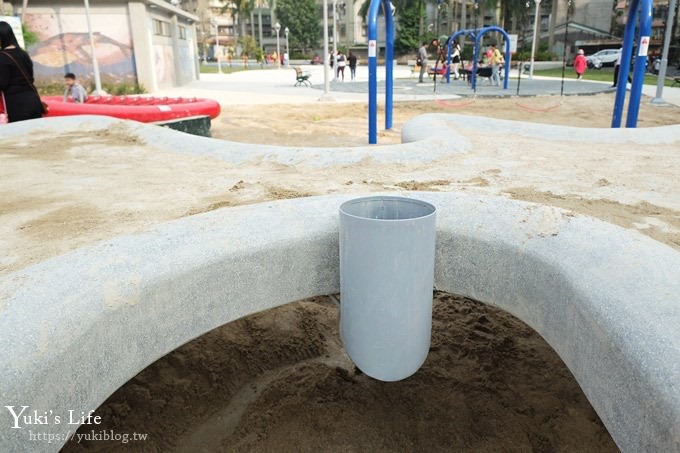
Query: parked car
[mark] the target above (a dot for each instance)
(605, 57)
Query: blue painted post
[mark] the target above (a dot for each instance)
(389, 62)
(448, 59)
(506, 69)
(645, 15)
(475, 59)
(508, 61)
(628, 36)
(373, 72)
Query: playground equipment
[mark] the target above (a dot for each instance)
(145, 109)
(373, 67)
(642, 10)
(78, 326)
(477, 34)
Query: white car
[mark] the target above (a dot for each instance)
(606, 57)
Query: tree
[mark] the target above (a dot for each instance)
(302, 19)
(238, 10)
(30, 37)
(245, 8)
(409, 35)
(410, 20)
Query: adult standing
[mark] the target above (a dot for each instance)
(352, 60)
(16, 78)
(422, 60)
(617, 68)
(341, 65)
(455, 60)
(496, 61)
(580, 64)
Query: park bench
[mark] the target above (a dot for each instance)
(302, 77)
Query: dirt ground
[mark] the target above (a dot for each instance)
(279, 381)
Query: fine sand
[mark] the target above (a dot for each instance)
(279, 381)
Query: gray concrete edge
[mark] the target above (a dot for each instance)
(235, 152)
(445, 125)
(426, 138)
(78, 326)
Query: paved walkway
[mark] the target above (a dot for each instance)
(276, 86)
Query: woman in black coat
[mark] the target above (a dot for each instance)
(16, 83)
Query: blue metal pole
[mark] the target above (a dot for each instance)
(373, 72)
(508, 60)
(640, 68)
(448, 59)
(475, 58)
(389, 62)
(506, 69)
(627, 48)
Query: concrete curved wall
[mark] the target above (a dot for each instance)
(78, 326)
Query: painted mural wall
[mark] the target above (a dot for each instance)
(189, 58)
(64, 46)
(165, 64)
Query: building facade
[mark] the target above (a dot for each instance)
(151, 43)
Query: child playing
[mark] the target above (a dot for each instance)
(74, 90)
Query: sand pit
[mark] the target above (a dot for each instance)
(279, 381)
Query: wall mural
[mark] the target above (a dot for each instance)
(164, 64)
(64, 46)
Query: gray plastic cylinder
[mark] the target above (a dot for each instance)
(387, 246)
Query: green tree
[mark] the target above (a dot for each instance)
(250, 47)
(30, 37)
(239, 10)
(409, 35)
(302, 19)
(409, 20)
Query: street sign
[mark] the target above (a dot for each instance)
(644, 46)
(372, 48)
(513, 43)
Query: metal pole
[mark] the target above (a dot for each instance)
(95, 66)
(373, 72)
(335, 46)
(259, 22)
(564, 51)
(389, 63)
(658, 99)
(287, 31)
(277, 27)
(626, 51)
(326, 82)
(217, 47)
(533, 44)
(639, 68)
